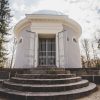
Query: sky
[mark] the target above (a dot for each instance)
(85, 12)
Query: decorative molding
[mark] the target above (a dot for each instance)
(47, 19)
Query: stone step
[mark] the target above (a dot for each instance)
(48, 68)
(63, 95)
(45, 76)
(45, 81)
(49, 71)
(45, 88)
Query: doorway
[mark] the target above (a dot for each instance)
(47, 52)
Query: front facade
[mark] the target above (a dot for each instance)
(47, 38)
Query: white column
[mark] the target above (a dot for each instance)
(36, 50)
(61, 49)
(65, 49)
(31, 50)
(57, 51)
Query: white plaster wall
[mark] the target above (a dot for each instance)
(46, 27)
(25, 50)
(68, 54)
(72, 51)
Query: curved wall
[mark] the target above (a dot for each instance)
(67, 44)
(72, 51)
(24, 52)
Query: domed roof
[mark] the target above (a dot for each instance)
(45, 15)
(48, 12)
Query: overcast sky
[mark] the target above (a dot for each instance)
(85, 12)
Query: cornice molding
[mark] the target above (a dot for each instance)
(64, 20)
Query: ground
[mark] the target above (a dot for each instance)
(93, 96)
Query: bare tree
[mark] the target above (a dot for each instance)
(97, 37)
(86, 48)
(94, 53)
(99, 43)
(83, 61)
(12, 58)
(13, 52)
(96, 46)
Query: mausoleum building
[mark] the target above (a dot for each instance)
(47, 38)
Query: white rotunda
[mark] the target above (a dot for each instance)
(47, 38)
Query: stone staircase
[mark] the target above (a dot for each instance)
(46, 84)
